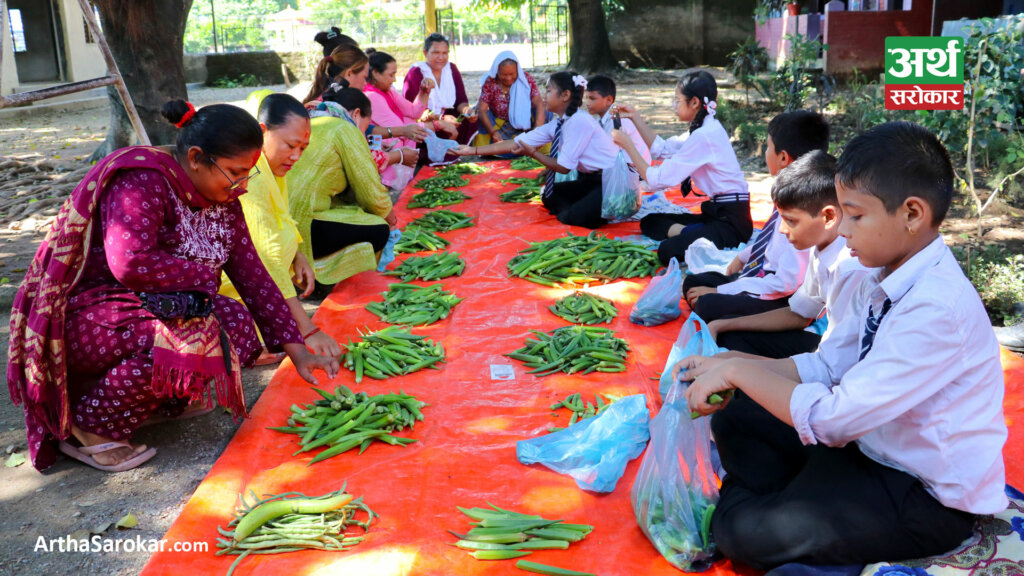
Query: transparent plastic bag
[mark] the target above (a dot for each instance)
(594, 451)
(620, 190)
(704, 256)
(659, 302)
(676, 489)
(387, 255)
(437, 148)
(694, 340)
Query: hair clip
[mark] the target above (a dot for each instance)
(580, 81)
(711, 106)
(187, 117)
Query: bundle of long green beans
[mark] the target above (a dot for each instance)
(442, 221)
(499, 534)
(584, 308)
(523, 181)
(391, 351)
(434, 197)
(582, 410)
(292, 521)
(579, 260)
(522, 195)
(461, 168)
(414, 305)
(442, 181)
(418, 240)
(525, 163)
(572, 349)
(433, 267)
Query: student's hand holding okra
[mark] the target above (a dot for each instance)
(693, 366)
(710, 391)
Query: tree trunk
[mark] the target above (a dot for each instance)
(591, 52)
(147, 41)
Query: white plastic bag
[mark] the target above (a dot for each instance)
(704, 256)
(620, 190)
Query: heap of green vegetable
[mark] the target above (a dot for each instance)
(433, 267)
(293, 521)
(584, 308)
(442, 181)
(416, 240)
(414, 305)
(523, 181)
(434, 197)
(346, 420)
(522, 195)
(582, 410)
(573, 349)
(499, 534)
(391, 351)
(582, 260)
(461, 168)
(525, 163)
(442, 221)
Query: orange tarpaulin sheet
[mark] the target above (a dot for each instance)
(465, 454)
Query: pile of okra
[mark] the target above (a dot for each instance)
(577, 260)
(573, 349)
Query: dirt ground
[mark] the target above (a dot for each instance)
(74, 499)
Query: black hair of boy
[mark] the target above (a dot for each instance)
(808, 184)
(603, 85)
(798, 132)
(897, 160)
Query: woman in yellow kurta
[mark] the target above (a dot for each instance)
(286, 133)
(337, 198)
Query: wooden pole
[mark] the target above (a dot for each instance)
(430, 16)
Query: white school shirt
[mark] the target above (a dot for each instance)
(706, 155)
(784, 268)
(830, 284)
(607, 124)
(584, 147)
(928, 397)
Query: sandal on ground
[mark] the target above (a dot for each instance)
(187, 414)
(84, 454)
(269, 358)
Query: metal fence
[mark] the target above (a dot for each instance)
(202, 36)
(549, 34)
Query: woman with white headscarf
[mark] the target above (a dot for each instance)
(510, 102)
(447, 99)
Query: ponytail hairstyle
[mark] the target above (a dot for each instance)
(349, 99)
(276, 109)
(702, 86)
(565, 82)
(378, 61)
(332, 39)
(342, 59)
(219, 130)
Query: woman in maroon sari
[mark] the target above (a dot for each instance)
(124, 290)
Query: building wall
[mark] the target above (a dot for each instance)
(674, 33)
(84, 61)
(8, 71)
(857, 39)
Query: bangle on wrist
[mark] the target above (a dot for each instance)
(401, 156)
(311, 332)
(390, 135)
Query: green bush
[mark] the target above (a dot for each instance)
(998, 275)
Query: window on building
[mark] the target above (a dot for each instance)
(89, 38)
(17, 30)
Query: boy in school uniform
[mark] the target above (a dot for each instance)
(600, 99)
(879, 449)
(809, 216)
(770, 268)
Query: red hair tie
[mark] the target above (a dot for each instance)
(187, 117)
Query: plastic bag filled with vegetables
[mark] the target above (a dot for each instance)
(620, 190)
(659, 302)
(676, 489)
(594, 451)
(694, 340)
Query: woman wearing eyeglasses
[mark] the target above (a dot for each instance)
(118, 318)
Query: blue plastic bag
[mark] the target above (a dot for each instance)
(387, 255)
(594, 451)
(620, 190)
(691, 342)
(676, 489)
(659, 302)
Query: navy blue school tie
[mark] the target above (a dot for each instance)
(556, 143)
(755, 265)
(871, 327)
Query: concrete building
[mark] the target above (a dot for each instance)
(46, 42)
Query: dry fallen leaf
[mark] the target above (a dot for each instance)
(16, 459)
(127, 521)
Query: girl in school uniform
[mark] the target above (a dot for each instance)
(577, 143)
(704, 156)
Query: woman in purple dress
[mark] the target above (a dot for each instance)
(447, 100)
(124, 290)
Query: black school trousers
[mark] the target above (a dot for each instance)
(726, 224)
(578, 202)
(782, 344)
(714, 306)
(784, 502)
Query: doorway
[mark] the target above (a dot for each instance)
(40, 49)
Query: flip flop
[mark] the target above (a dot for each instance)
(266, 359)
(187, 414)
(84, 454)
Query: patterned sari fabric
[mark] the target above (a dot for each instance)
(78, 302)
